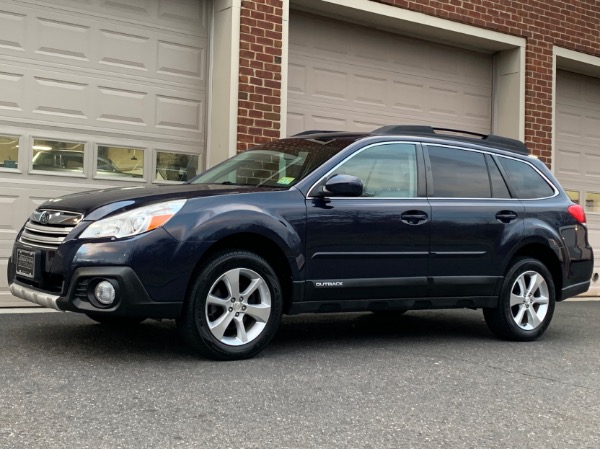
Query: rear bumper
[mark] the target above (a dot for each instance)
(574, 290)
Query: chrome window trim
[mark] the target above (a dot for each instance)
(556, 191)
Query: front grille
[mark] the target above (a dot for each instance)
(47, 229)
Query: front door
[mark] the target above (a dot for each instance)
(374, 246)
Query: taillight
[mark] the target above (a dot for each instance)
(578, 213)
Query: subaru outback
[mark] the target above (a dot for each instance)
(402, 218)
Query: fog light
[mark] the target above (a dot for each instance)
(105, 293)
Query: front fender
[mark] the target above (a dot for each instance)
(277, 216)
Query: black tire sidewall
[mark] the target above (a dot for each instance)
(517, 269)
(204, 340)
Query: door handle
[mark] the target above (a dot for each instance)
(506, 216)
(414, 217)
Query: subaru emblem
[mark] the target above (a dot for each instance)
(44, 218)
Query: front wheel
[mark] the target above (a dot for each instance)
(234, 307)
(526, 303)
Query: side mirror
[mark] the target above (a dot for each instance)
(342, 185)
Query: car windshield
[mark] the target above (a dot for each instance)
(281, 163)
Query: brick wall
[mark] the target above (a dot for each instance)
(571, 24)
(260, 72)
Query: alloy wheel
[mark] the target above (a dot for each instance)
(238, 306)
(529, 299)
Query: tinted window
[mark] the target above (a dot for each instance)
(386, 170)
(525, 180)
(499, 189)
(458, 173)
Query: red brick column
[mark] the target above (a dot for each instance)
(259, 106)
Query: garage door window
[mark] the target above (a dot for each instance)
(574, 195)
(119, 162)
(58, 156)
(9, 151)
(592, 202)
(175, 166)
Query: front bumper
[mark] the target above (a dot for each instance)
(35, 296)
(132, 298)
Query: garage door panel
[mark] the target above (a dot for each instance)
(125, 50)
(182, 59)
(66, 98)
(348, 72)
(12, 30)
(477, 106)
(568, 122)
(329, 83)
(408, 96)
(188, 16)
(591, 164)
(591, 127)
(92, 44)
(12, 86)
(303, 115)
(128, 74)
(577, 154)
(62, 39)
(370, 90)
(568, 163)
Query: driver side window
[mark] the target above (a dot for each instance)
(387, 170)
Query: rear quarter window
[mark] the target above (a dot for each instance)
(525, 180)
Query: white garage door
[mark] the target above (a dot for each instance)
(96, 93)
(577, 155)
(348, 77)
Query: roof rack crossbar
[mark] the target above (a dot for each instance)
(492, 139)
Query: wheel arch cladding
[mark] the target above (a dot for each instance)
(262, 246)
(545, 255)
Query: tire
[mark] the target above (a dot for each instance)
(115, 321)
(234, 307)
(526, 303)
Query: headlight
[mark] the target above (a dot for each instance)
(133, 222)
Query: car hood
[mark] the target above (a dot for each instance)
(95, 204)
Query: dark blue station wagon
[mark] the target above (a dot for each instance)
(403, 218)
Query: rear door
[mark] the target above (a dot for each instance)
(374, 246)
(475, 222)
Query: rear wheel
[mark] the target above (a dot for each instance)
(234, 307)
(116, 321)
(526, 303)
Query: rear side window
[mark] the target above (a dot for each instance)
(458, 173)
(525, 180)
(499, 189)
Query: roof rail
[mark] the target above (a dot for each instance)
(313, 131)
(505, 143)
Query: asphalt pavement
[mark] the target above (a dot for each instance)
(426, 379)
